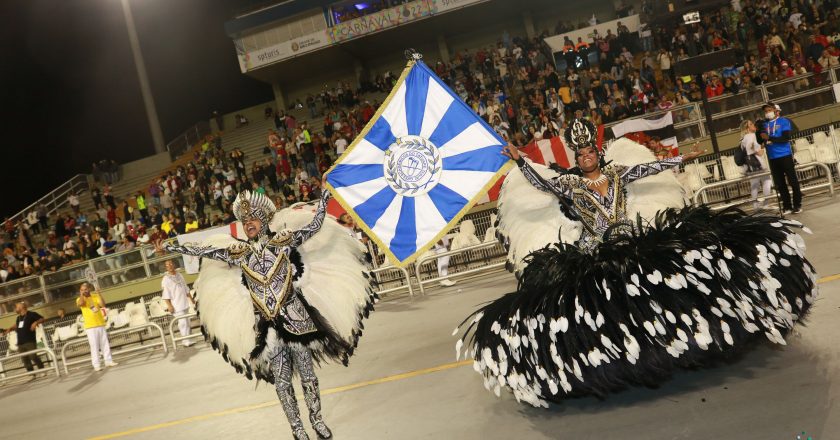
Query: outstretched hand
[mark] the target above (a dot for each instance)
(510, 151)
(694, 153)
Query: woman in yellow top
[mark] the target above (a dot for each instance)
(92, 306)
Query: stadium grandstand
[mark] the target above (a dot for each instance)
(528, 68)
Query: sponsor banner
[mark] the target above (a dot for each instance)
(281, 51)
(384, 19)
(440, 6)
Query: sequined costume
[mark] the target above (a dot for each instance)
(289, 333)
(599, 211)
(628, 300)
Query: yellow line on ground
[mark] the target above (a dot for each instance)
(829, 278)
(326, 392)
(242, 409)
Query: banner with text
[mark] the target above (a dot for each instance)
(250, 60)
(378, 21)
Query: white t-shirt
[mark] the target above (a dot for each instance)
(340, 145)
(751, 146)
(175, 289)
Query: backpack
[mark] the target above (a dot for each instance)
(740, 156)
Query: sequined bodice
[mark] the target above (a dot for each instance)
(599, 212)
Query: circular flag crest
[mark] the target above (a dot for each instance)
(412, 166)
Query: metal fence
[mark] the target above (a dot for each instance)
(138, 264)
(183, 142)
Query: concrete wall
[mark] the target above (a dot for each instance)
(146, 165)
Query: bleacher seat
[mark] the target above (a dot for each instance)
(803, 156)
(731, 170)
(157, 308)
(136, 314)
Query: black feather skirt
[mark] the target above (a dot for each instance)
(692, 288)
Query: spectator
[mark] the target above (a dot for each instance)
(776, 134)
(93, 310)
(755, 164)
(140, 199)
(25, 324)
(177, 297)
(73, 201)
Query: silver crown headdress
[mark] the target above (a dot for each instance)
(249, 205)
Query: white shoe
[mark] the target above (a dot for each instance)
(446, 282)
(187, 344)
(787, 212)
(111, 364)
(97, 368)
(797, 210)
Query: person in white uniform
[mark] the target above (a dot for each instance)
(443, 262)
(176, 294)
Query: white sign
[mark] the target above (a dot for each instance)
(281, 51)
(556, 42)
(837, 92)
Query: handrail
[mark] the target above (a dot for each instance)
(394, 289)
(187, 138)
(181, 338)
(135, 329)
(800, 167)
(47, 351)
(423, 260)
(73, 182)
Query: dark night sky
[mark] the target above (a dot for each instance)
(69, 89)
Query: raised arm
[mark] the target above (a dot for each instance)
(301, 235)
(641, 170)
(201, 251)
(553, 186)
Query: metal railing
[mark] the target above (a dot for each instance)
(56, 198)
(184, 141)
(173, 338)
(476, 259)
(137, 329)
(393, 284)
(734, 186)
(134, 265)
(5, 378)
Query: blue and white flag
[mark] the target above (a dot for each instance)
(418, 166)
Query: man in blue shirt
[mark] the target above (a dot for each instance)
(776, 135)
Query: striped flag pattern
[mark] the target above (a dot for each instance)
(418, 166)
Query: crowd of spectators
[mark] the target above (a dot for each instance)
(514, 86)
(517, 88)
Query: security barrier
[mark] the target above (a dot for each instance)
(476, 259)
(175, 339)
(138, 329)
(731, 193)
(5, 378)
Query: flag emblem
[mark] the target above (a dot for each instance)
(418, 166)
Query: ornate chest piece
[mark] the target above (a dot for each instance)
(266, 297)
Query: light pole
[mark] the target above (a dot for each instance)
(145, 89)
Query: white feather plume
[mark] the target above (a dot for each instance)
(333, 282)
